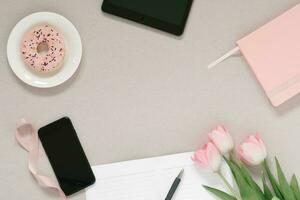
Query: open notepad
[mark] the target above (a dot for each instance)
(151, 179)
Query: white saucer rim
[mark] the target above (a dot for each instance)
(53, 84)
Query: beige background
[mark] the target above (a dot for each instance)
(140, 92)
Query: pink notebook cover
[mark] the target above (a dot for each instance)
(273, 52)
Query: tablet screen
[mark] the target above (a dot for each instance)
(170, 12)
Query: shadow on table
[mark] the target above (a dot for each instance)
(54, 90)
(289, 105)
(54, 195)
(142, 26)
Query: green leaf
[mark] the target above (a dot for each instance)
(272, 180)
(285, 189)
(246, 191)
(222, 195)
(295, 187)
(246, 174)
(267, 191)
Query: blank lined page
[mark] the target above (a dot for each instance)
(151, 179)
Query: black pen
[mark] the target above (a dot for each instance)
(174, 185)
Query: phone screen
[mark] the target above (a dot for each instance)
(66, 156)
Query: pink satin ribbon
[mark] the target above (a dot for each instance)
(27, 137)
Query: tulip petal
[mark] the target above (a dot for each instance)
(208, 157)
(253, 150)
(200, 157)
(221, 138)
(213, 157)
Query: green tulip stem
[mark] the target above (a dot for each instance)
(230, 188)
(233, 156)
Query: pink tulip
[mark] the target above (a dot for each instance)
(253, 150)
(222, 139)
(208, 157)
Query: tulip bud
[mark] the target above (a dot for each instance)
(208, 157)
(221, 139)
(253, 150)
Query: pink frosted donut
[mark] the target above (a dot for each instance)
(43, 49)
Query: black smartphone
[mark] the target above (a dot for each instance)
(66, 156)
(166, 15)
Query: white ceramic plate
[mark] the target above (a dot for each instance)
(72, 44)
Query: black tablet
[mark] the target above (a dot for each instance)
(166, 15)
